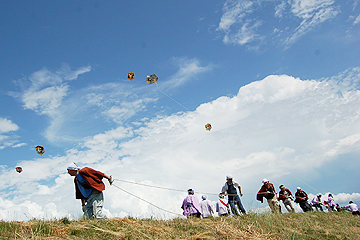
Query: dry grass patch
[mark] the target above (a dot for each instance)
(251, 226)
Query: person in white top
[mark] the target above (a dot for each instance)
(316, 202)
(222, 206)
(206, 208)
(331, 202)
(353, 208)
(231, 187)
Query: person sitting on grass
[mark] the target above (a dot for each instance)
(191, 205)
(353, 208)
(222, 206)
(206, 208)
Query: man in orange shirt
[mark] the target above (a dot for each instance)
(88, 188)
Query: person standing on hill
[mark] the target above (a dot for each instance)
(302, 198)
(286, 196)
(230, 188)
(89, 188)
(267, 190)
(206, 208)
(191, 205)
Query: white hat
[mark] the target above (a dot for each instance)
(229, 177)
(264, 180)
(204, 197)
(298, 188)
(73, 166)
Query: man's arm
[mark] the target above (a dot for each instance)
(240, 191)
(109, 178)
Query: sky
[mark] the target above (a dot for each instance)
(278, 81)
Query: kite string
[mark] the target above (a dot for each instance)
(171, 97)
(172, 189)
(305, 183)
(146, 201)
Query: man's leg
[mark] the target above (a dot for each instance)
(240, 206)
(288, 206)
(97, 199)
(89, 208)
(233, 208)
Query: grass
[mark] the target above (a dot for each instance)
(315, 225)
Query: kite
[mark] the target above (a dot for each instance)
(208, 127)
(131, 76)
(40, 150)
(151, 79)
(18, 169)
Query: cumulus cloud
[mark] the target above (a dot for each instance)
(7, 125)
(282, 128)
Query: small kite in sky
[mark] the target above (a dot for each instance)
(208, 127)
(40, 150)
(151, 79)
(131, 76)
(18, 169)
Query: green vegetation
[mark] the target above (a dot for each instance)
(315, 225)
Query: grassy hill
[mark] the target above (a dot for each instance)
(316, 225)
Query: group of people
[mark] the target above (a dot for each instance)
(89, 189)
(273, 198)
(192, 207)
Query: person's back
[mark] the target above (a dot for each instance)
(206, 208)
(191, 205)
(222, 206)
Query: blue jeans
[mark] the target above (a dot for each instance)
(236, 201)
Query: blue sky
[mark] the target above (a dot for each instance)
(278, 81)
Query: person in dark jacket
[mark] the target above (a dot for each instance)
(268, 191)
(302, 199)
(89, 188)
(286, 196)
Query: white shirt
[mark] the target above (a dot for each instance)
(225, 187)
(221, 208)
(206, 208)
(353, 207)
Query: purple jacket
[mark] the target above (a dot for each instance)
(191, 205)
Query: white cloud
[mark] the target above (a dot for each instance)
(234, 12)
(357, 20)
(247, 33)
(312, 13)
(7, 125)
(6, 138)
(45, 101)
(278, 128)
(47, 89)
(279, 9)
(188, 70)
(241, 26)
